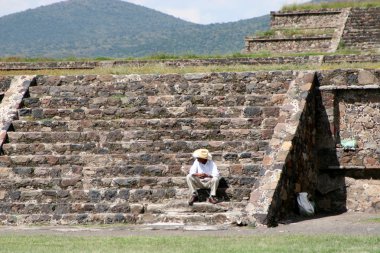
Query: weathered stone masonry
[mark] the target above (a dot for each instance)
(362, 29)
(288, 167)
(354, 28)
(169, 63)
(319, 31)
(350, 102)
(105, 149)
(5, 83)
(298, 60)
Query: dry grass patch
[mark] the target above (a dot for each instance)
(162, 69)
(331, 5)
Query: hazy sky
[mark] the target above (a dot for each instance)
(198, 11)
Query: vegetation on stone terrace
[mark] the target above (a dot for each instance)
(166, 56)
(331, 5)
(294, 32)
(160, 69)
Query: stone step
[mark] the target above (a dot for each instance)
(150, 113)
(72, 206)
(152, 101)
(160, 170)
(52, 125)
(200, 219)
(139, 135)
(358, 39)
(65, 207)
(361, 42)
(362, 15)
(171, 220)
(67, 219)
(361, 19)
(361, 45)
(189, 84)
(110, 160)
(361, 35)
(158, 89)
(69, 194)
(182, 206)
(153, 183)
(135, 147)
(363, 29)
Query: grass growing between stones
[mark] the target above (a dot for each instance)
(294, 32)
(161, 69)
(376, 220)
(165, 56)
(190, 244)
(332, 5)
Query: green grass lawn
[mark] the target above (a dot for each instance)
(251, 244)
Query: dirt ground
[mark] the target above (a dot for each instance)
(343, 224)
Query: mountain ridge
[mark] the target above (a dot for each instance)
(114, 28)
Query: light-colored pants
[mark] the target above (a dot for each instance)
(196, 183)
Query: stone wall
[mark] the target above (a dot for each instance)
(46, 65)
(349, 110)
(299, 60)
(299, 172)
(362, 29)
(329, 59)
(5, 82)
(306, 19)
(289, 163)
(11, 101)
(353, 28)
(318, 22)
(296, 45)
(343, 103)
(170, 63)
(105, 149)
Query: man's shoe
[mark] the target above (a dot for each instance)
(212, 200)
(193, 199)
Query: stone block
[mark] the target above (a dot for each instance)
(125, 182)
(137, 209)
(66, 182)
(366, 77)
(4, 172)
(2, 195)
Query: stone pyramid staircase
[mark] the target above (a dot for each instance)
(362, 29)
(108, 149)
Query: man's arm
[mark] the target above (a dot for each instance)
(194, 171)
(202, 175)
(215, 171)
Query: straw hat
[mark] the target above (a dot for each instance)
(202, 153)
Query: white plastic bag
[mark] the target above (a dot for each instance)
(305, 206)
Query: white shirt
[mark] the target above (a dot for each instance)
(208, 168)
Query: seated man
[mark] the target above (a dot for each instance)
(203, 175)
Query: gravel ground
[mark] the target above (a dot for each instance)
(344, 224)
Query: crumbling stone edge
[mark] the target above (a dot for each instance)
(11, 103)
(264, 201)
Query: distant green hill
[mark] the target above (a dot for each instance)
(113, 28)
